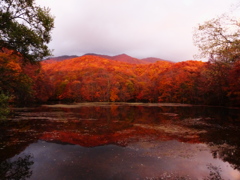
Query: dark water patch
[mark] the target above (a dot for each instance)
(122, 141)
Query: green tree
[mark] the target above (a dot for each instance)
(25, 28)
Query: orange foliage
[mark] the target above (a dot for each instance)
(11, 72)
(101, 79)
(93, 78)
(24, 82)
(180, 82)
(120, 78)
(96, 78)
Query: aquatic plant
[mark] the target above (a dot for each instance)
(4, 106)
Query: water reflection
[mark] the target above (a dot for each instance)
(124, 141)
(19, 168)
(139, 160)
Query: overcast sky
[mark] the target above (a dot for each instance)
(139, 28)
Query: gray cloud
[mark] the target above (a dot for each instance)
(140, 28)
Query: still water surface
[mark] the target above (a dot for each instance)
(121, 141)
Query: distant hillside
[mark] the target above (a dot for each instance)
(122, 58)
(61, 58)
(153, 60)
(97, 79)
(99, 55)
(128, 59)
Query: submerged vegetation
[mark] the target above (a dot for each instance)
(4, 110)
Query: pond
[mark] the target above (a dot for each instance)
(121, 141)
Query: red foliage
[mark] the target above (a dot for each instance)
(109, 78)
(119, 78)
(180, 83)
(93, 78)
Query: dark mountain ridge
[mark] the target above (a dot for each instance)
(121, 57)
(153, 59)
(61, 58)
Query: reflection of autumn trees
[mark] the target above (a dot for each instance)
(214, 173)
(18, 169)
(95, 124)
(222, 126)
(224, 142)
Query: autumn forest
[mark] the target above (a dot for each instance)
(98, 78)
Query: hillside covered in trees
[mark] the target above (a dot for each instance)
(100, 79)
(94, 78)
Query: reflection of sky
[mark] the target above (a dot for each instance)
(138, 160)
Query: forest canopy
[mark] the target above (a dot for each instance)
(25, 28)
(25, 31)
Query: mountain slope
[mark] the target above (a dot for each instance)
(121, 57)
(128, 59)
(93, 78)
(61, 58)
(153, 60)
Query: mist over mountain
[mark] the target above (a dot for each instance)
(61, 58)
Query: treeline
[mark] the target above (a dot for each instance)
(91, 78)
(96, 79)
(19, 81)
